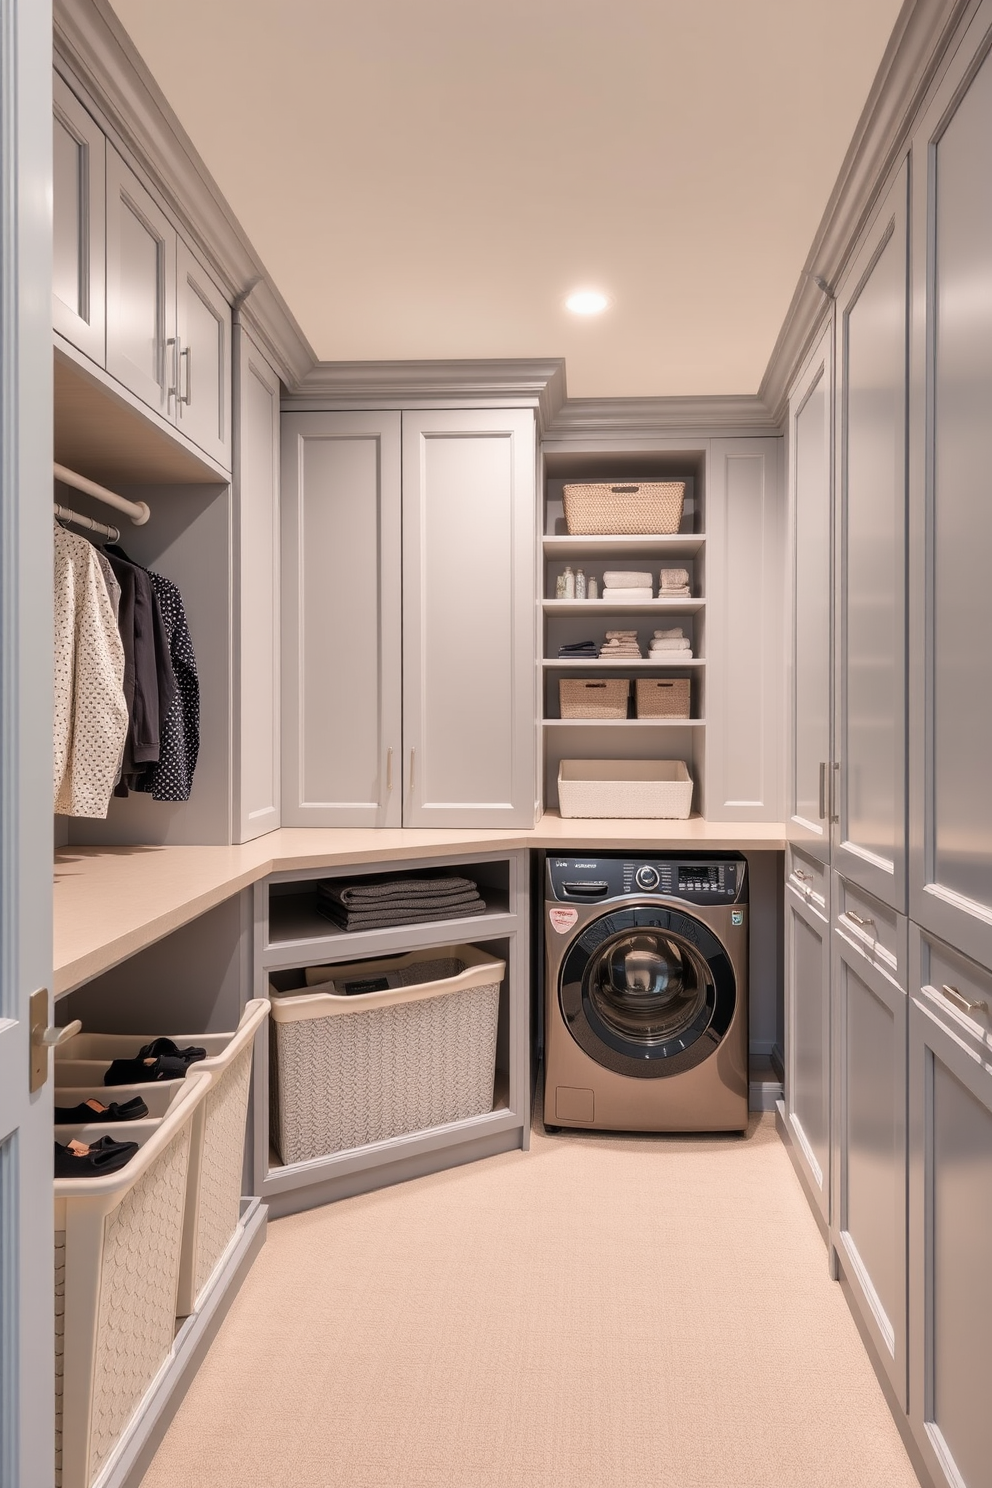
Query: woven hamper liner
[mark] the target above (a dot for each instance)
(662, 697)
(594, 697)
(605, 508)
(347, 1072)
(624, 788)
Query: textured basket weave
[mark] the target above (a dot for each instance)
(384, 1064)
(634, 507)
(662, 697)
(624, 788)
(594, 697)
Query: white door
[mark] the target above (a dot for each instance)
(27, 1365)
(870, 697)
(469, 631)
(203, 341)
(950, 592)
(810, 504)
(340, 497)
(141, 290)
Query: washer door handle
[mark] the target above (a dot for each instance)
(586, 889)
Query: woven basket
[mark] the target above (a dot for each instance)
(663, 697)
(624, 788)
(594, 697)
(634, 507)
(347, 1072)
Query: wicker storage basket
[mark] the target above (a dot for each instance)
(213, 1202)
(349, 1071)
(662, 697)
(594, 697)
(624, 788)
(118, 1247)
(635, 507)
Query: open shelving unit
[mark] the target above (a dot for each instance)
(571, 620)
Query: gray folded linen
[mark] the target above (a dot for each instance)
(382, 918)
(392, 890)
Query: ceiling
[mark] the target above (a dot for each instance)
(431, 178)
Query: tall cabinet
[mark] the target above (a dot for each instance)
(409, 618)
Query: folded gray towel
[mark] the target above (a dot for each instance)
(387, 890)
(383, 918)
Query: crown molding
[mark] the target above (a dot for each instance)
(646, 418)
(920, 43)
(93, 47)
(536, 382)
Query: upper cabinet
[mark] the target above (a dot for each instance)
(129, 293)
(79, 268)
(809, 776)
(869, 800)
(951, 593)
(408, 619)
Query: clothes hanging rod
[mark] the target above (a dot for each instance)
(138, 511)
(66, 514)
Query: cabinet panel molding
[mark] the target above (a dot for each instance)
(79, 227)
(141, 289)
(744, 694)
(807, 1044)
(203, 349)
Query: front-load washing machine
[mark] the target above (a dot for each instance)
(646, 992)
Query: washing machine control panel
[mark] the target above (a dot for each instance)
(718, 879)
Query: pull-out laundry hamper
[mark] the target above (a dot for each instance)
(118, 1246)
(347, 1071)
(213, 1206)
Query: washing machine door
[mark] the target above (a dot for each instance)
(647, 992)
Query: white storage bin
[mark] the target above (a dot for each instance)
(624, 788)
(118, 1246)
(348, 1071)
(217, 1158)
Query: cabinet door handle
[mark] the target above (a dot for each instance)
(413, 755)
(389, 768)
(862, 924)
(804, 877)
(186, 354)
(835, 791)
(173, 391)
(823, 789)
(962, 1001)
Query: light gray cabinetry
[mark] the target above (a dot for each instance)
(868, 1208)
(468, 618)
(807, 1026)
(141, 289)
(869, 803)
(203, 359)
(951, 681)
(79, 263)
(810, 512)
(744, 559)
(342, 639)
(256, 547)
(950, 1088)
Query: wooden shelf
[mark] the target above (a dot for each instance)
(625, 723)
(599, 663)
(671, 545)
(612, 607)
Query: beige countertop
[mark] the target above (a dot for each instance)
(113, 901)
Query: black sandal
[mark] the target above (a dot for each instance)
(166, 1046)
(162, 1059)
(78, 1160)
(94, 1110)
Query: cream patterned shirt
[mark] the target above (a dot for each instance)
(90, 711)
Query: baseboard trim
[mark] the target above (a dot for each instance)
(782, 1127)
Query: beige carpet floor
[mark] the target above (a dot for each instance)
(601, 1312)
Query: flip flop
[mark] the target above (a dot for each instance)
(166, 1046)
(78, 1160)
(94, 1110)
(142, 1071)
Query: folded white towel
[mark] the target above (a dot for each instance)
(669, 658)
(621, 635)
(685, 593)
(622, 579)
(628, 596)
(674, 634)
(674, 578)
(670, 646)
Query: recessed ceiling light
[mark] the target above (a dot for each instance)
(587, 302)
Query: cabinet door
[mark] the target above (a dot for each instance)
(79, 265)
(203, 348)
(810, 562)
(256, 537)
(950, 1117)
(469, 730)
(951, 592)
(870, 709)
(868, 1224)
(341, 619)
(141, 289)
(745, 545)
(807, 1044)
